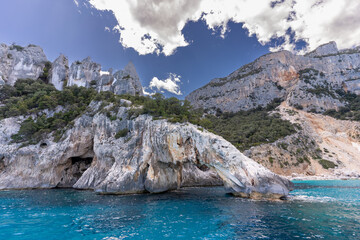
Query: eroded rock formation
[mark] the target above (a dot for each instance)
(154, 156)
(18, 62)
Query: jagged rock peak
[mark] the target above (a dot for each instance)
(84, 73)
(130, 68)
(127, 81)
(59, 74)
(325, 49)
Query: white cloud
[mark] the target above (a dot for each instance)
(171, 84)
(154, 26)
(107, 29)
(146, 92)
(76, 2)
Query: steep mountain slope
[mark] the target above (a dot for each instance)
(316, 83)
(309, 82)
(324, 146)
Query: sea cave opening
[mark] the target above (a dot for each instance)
(73, 169)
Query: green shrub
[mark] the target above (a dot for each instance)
(245, 129)
(122, 133)
(352, 109)
(327, 164)
(46, 72)
(16, 47)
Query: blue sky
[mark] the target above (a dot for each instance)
(78, 30)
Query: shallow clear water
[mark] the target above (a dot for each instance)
(317, 210)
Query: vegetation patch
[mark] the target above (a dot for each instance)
(327, 164)
(16, 47)
(352, 109)
(29, 97)
(243, 129)
(122, 133)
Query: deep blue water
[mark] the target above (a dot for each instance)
(317, 210)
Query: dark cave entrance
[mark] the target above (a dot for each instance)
(73, 169)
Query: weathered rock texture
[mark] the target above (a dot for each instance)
(155, 156)
(309, 81)
(88, 74)
(59, 74)
(18, 62)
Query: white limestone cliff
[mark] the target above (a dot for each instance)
(155, 156)
(20, 62)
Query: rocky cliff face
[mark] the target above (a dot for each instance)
(18, 62)
(150, 156)
(322, 140)
(313, 82)
(309, 81)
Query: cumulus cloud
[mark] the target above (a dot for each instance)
(154, 26)
(171, 84)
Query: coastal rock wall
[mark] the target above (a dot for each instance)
(153, 156)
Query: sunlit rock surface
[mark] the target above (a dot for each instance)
(309, 81)
(20, 62)
(155, 156)
(59, 73)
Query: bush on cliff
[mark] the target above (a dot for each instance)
(245, 129)
(352, 109)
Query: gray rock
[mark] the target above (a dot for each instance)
(84, 74)
(127, 81)
(17, 62)
(323, 50)
(310, 81)
(59, 74)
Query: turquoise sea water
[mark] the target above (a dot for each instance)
(316, 210)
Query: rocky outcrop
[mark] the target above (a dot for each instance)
(124, 81)
(59, 74)
(89, 74)
(324, 50)
(83, 73)
(309, 81)
(127, 81)
(153, 156)
(20, 62)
